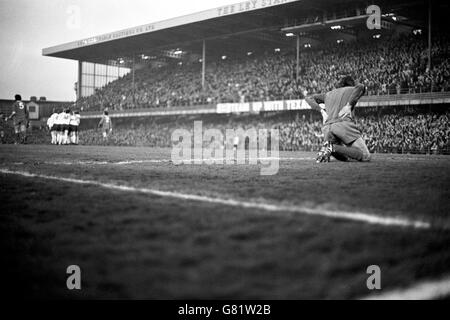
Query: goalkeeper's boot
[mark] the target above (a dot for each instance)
(324, 154)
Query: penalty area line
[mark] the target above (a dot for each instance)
(268, 207)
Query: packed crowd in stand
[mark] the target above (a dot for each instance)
(394, 67)
(385, 66)
(390, 133)
(397, 132)
(424, 133)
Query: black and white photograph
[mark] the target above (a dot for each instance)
(230, 153)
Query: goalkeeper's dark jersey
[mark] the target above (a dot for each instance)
(335, 100)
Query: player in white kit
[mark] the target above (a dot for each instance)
(51, 124)
(74, 124)
(59, 127)
(65, 127)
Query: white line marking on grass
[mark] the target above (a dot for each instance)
(140, 162)
(127, 162)
(71, 163)
(426, 290)
(271, 207)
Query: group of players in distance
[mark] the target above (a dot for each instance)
(343, 139)
(63, 124)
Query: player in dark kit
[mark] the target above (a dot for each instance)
(343, 138)
(20, 118)
(106, 125)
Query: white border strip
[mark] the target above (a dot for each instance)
(426, 290)
(335, 214)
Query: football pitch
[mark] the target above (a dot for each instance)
(140, 227)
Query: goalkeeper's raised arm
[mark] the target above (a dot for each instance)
(315, 101)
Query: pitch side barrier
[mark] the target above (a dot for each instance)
(281, 105)
(153, 112)
(367, 101)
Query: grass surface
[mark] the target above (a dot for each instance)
(134, 245)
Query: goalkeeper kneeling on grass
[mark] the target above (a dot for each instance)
(343, 140)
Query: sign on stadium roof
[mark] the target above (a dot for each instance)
(237, 8)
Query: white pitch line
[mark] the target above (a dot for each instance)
(426, 290)
(71, 163)
(335, 214)
(126, 162)
(211, 160)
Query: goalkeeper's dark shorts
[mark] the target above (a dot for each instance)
(345, 132)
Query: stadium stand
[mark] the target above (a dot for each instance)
(386, 66)
(274, 51)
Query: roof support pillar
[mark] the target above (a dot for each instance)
(204, 64)
(297, 70)
(133, 81)
(429, 35)
(80, 79)
(95, 75)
